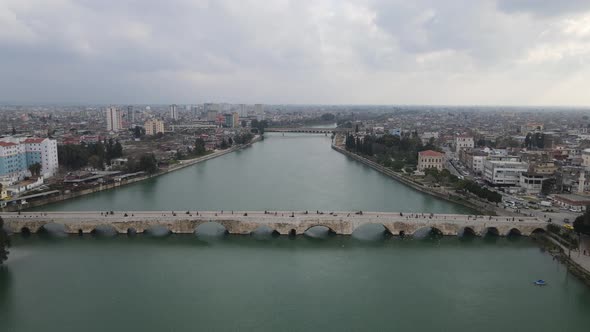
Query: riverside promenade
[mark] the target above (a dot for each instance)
(283, 222)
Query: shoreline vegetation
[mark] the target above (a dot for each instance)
(479, 207)
(103, 187)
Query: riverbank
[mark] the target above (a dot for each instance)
(63, 195)
(577, 263)
(439, 193)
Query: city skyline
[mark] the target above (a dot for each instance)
(519, 53)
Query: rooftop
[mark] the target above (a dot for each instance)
(430, 153)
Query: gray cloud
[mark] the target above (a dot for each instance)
(305, 51)
(544, 7)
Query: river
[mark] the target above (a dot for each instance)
(245, 283)
(181, 283)
(290, 172)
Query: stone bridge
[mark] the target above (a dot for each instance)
(283, 222)
(306, 130)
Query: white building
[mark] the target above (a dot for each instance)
(259, 111)
(173, 112)
(586, 158)
(532, 183)
(16, 155)
(114, 119)
(153, 127)
(477, 165)
(498, 172)
(463, 142)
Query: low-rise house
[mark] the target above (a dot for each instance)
(572, 201)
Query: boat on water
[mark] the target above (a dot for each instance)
(540, 282)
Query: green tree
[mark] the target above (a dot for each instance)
(4, 242)
(148, 163)
(582, 223)
(35, 169)
(138, 132)
(199, 147)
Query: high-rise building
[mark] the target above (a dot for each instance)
(211, 111)
(259, 111)
(17, 154)
(243, 110)
(236, 120)
(114, 119)
(173, 112)
(130, 115)
(228, 120)
(153, 127)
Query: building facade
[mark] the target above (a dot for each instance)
(586, 158)
(236, 119)
(463, 142)
(153, 127)
(430, 159)
(16, 155)
(114, 119)
(504, 173)
(174, 112)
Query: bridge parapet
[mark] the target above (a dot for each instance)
(244, 222)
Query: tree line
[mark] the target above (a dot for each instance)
(74, 157)
(389, 150)
(4, 242)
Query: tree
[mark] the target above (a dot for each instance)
(148, 163)
(35, 169)
(200, 147)
(13, 131)
(4, 242)
(230, 141)
(138, 132)
(223, 144)
(582, 223)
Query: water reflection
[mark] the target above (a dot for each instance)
(211, 229)
(319, 232)
(371, 232)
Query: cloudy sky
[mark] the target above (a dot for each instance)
(485, 52)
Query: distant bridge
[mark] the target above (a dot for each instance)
(307, 130)
(283, 222)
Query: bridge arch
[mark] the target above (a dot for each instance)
(318, 231)
(25, 231)
(211, 228)
(264, 231)
(428, 232)
(158, 231)
(104, 230)
(514, 232)
(492, 231)
(467, 232)
(53, 229)
(538, 231)
(371, 231)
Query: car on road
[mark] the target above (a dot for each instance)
(566, 220)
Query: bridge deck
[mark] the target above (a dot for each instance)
(285, 222)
